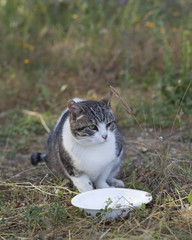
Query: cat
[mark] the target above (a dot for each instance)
(85, 145)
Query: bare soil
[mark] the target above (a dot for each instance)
(139, 144)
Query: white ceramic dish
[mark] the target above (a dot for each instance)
(111, 202)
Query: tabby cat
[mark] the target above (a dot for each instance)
(85, 145)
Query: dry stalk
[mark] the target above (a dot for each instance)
(29, 185)
(40, 116)
(125, 105)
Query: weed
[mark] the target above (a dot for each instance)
(16, 135)
(52, 51)
(190, 198)
(177, 80)
(102, 214)
(39, 214)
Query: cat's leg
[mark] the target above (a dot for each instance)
(111, 180)
(101, 181)
(115, 182)
(82, 182)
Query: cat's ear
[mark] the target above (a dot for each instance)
(107, 100)
(74, 109)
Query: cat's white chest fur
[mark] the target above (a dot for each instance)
(92, 159)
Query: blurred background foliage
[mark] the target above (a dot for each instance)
(52, 50)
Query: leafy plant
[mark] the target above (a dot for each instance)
(41, 214)
(176, 81)
(104, 212)
(190, 198)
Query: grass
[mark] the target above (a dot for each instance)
(49, 45)
(53, 51)
(34, 204)
(43, 208)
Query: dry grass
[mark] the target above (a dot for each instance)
(144, 50)
(36, 205)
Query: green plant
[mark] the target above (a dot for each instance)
(190, 198)
(104, 212)
(35, 214)
(176, 81)
(18, 132)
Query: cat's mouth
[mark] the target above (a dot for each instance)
(90, 142)
(103, 141)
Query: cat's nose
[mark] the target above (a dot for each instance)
(104, 136)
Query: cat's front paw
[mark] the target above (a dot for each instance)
(85, 188)
(116, 183)
(101, 184)
(83, 183)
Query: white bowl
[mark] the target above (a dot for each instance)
(111, 202)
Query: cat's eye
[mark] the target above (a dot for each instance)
(109, 124)
(93, 127)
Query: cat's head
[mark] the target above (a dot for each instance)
(92, 122)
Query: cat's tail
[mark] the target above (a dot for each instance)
(38, 157)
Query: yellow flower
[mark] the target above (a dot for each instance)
(187, 32)
(162, 30)
(26, 45)
(16, 90)
(31, 48)
(174, 29)
(175, 14)
(74, 16)
(150, 24)
(26, 61)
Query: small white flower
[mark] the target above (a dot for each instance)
(161, 138)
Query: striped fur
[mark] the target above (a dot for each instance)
(86, 145)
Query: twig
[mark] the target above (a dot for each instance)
(2, 237)
(32, 113)
(126, 106)
(31, 185)
(179, 108)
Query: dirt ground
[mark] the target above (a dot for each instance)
(154, 161)
(139, 144)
